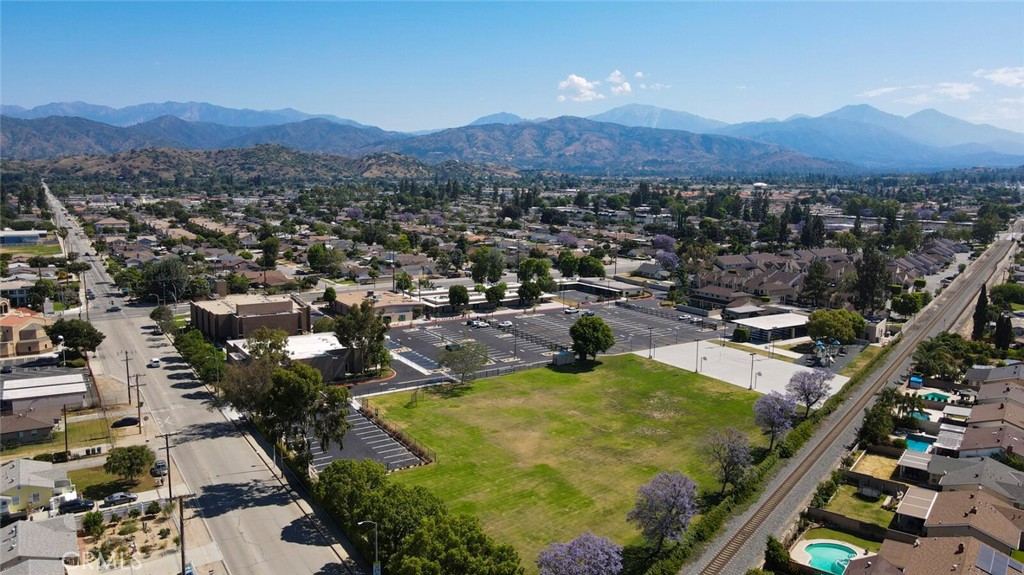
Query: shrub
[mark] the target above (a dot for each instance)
(44, 457)
(92, 523)
(776, 557)
(128, 528)
(153, 508)
(164, 533)
(114, 518)
(134, 513)
(900, 443)
(741, 335)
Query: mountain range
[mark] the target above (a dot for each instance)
(629, 140)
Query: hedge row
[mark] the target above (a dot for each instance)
(711, 522)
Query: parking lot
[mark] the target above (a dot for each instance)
(536, 337)
(363, 440)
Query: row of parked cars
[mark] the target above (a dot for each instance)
(482, 323)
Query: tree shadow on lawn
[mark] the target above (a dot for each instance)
(221, 498)
(100, 491)
(577, 367)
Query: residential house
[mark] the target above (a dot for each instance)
(29, 484)
(963, 555)
(978, 375)
(989, 441)
(114, 224)
(31, 426)
(38, 547)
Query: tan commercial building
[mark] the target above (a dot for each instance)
(238, 316)
(394, 307)
(22, 332)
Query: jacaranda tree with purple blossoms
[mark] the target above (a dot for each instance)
(667, 260)
(664, 508)
(664, 242)
(774, 414)
(810, 387)
(587, 554)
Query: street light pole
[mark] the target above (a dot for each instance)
(696, 356)
(752, 371)
(376, 552)
(650, 342)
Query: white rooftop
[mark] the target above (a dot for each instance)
(304, 346)
(777, 321)
(38, 392)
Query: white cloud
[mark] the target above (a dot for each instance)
(616, 77)
(655, 86)
(638, 75)
(1012, 77)
(619, 84)
(579, 89)
(955, 90)
(879, 92)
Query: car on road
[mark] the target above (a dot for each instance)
(153, 363)
(119, 498)
(125, 422)
(505, 323)
(482, 323)
(572, 310)
(76, 506)
(159, 468)
(114, 308)
(685, 318)
(589, 313)
(6, 369)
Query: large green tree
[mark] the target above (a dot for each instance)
(488, 265)
(590, 267)
(980, 315)
(344, 487)
(529, 293)
(129, 462)
(835, 324)
(464, 359)
(873, 278)
(817, 288)
(458, 297)
(453, 545)
(591, 336)
(363, 329)
(77, 334)
(298, 403)
(496, 293)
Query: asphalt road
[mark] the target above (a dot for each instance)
(252, 516)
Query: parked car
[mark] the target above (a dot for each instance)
(159, 468)
(153, 363)
(453, 346)
(76, 506)
(119, 498)
(125, 422)
(685, 318)
(589, 313)
(572, 310)
(6, 369)
(482, 323)
(114, 308)
(505, 323)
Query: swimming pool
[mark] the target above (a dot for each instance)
(919, 443)
(830, 557)
(921, 416)
(933, 396)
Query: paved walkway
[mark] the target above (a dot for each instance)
(734, 366)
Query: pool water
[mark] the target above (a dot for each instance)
(919, 443)
(830, 557)
(921, 416)
(935, 397)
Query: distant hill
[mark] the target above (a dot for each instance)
(58, 136)
(190, 111)
(640, 116)
(266, 163)
(499, 118)
(934, 128)
(579, 145)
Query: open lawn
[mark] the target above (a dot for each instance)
(545, 454)
(878, 466)
(851, 504)
(94, 483)
(860, 361)
(82, 434)
(32, 249)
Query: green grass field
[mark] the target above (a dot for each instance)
(82, 434)
(94, 483)
(851, 504)
(32, 249)
(542, 455)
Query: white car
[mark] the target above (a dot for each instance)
(505, 323)
(153, 363)
(572, 310)
(482, 323)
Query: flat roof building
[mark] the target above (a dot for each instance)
(238, 316)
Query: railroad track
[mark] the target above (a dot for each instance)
(937, 314)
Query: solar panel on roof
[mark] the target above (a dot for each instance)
(986, 556)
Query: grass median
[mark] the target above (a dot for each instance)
(543, 455)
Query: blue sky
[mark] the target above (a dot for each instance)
(413, 66)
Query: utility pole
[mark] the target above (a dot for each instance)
(167, 457)
(181, 527)
(128, 377)
(67, 449)
(138, 400)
